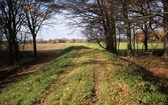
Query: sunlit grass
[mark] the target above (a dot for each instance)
(119, 81)
(29, 90)
(139, 46)
(89, 45)
(76, 89)
(128, 85)
(121, 45)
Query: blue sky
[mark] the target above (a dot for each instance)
(58, 29)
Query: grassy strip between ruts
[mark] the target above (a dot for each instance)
(115, 83)
(76, 89)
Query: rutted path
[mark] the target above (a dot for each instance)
(45, 100)
(100, 68)
(100, 76)
(83, 76)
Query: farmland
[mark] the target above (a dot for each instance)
(85, 74)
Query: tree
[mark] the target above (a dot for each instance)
(127, 25)
(1, 35)
(103, 20)
(36, 12)
(11, 22)
(165, 6)
(96, 16)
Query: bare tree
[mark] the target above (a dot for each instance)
(125, 7)
(11, 20)
(36, 12)
(98, 20)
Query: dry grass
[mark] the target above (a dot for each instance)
(42, 47)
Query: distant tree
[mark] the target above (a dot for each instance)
(50, 41)
(57, 40)
(53, 41)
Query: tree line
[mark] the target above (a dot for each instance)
(62, 40)
(108, 20)
(100, 20)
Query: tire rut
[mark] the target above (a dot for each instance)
(97, 67)
(44, 100)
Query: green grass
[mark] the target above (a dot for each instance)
(129, 86)
(123, 46)
(29, 90)
(155, 48)
(76, 89)
(118, 82)
(89, 45)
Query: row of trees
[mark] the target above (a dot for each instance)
(101, 20)
(18, 18)
(63, 40)
(106, 20)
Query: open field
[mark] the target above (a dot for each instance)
(122, 46)
(139, 46)
(48, 46)
(85, 76)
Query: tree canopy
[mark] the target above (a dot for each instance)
(102, 21)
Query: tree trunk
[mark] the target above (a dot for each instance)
(17, 51)
(0, 41)
(165, 3)
(145, 42)
(166, 47)
(109, 45)
(129, 43)
(127, 24)
(34, 46)
(10, 53)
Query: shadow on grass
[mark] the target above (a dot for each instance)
(148, 76)
(21, 69)
(16, 73)
(156, 52)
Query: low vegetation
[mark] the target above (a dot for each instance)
(81, 75)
